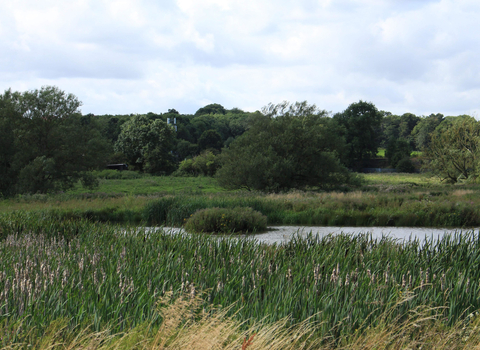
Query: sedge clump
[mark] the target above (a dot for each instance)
(226, 220)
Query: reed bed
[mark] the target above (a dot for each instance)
(188, 325)
(378, 204)
(103, 276)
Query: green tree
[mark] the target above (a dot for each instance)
(213, 108)
(8, 146)
(147, 144)
(421, 133)
(454, 149)
(397, 149)
(210, 139)
(53, 146)
(206, 163)
(408, 121)
(361, 122)
(289, 146)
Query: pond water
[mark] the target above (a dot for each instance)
(279, 234)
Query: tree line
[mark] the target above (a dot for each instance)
(47, 145)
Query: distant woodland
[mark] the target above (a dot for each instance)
(48, 145)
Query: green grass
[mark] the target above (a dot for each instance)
(154, 184)
(425, 180)
(384, 200)
(100, 276)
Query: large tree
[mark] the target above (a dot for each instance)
(422, 131)
(361, 122)
(454, 149)
(48, 145)
(289, 146)
(147, 144)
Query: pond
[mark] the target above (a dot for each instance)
(279, 234)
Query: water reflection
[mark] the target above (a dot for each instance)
(279, 234)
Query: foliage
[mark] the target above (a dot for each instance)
(422, 131)
(405, 165)
(46, 144)
(454, 149)
(397, 149)
(210, 139)
(361, 123)
(290, 146)
(147, 144)
(213, 108)
(226, 220)
(394, 127)
(205, 164)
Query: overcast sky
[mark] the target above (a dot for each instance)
(139, 56)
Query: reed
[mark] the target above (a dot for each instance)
(105, 276)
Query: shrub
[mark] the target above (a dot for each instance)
(405, 166)
(226, 220)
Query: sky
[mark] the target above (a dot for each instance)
(140, 56)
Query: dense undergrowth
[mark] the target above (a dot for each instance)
(101, 276)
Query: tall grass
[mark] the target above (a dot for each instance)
(187, 325)
(98, 275)
(395, 205)
(454, 209)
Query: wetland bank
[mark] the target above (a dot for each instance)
(65, 269)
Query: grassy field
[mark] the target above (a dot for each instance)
(383, 200)
(59, 278)
(147, 185)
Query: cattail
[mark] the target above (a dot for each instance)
(289, 274)
(335, 275)
(192, 291)
(80, 264)
(403, 281)
(421, 279)
(347, 280)
(316, 276)
(64, 279)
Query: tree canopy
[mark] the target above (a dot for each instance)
(289, 146)
(454, 149)
(147, 144)
(46, 144)
(361, 122)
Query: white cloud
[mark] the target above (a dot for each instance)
(128, 56)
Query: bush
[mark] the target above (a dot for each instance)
(405, 166)
(205, 164)
(224, 220)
